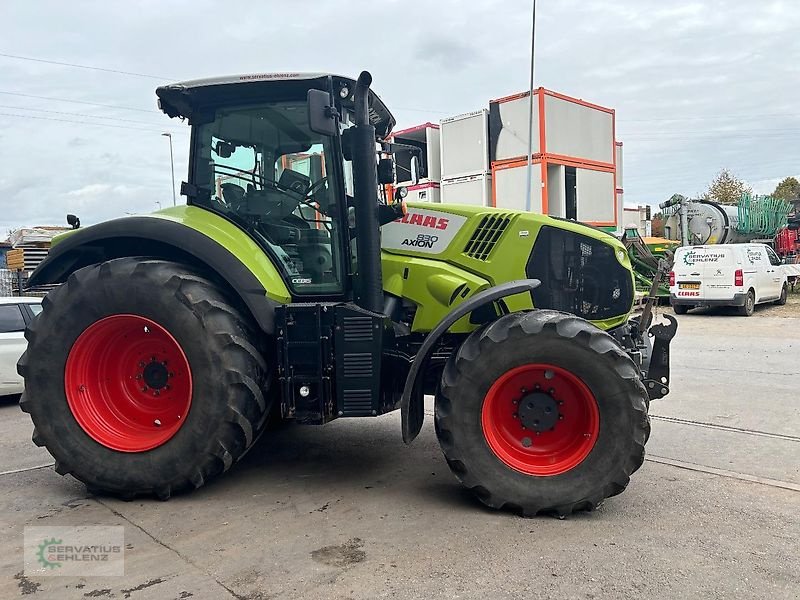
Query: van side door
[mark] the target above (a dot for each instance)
(777, 271)
(757, 263)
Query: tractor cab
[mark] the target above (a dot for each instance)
(267, 153)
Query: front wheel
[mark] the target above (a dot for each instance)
(542, 412)
(143, 377)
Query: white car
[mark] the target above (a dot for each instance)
(15, 314)
(740, 275)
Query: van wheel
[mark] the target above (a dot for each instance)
(749, 305)
(680, 309)
(784, 293)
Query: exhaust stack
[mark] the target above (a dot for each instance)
(368, 282)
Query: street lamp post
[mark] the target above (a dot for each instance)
(528, 183)
(172, 167)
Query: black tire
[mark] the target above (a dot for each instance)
(230, 378)
(784, 295)
(749, 306)
(680, 309)
(564, 341)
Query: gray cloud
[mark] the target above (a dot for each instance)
(697, 86)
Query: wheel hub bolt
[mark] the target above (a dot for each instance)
(157, 423)
(144, 388)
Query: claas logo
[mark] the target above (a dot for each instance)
(425, 221)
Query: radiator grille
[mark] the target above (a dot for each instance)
(486, 236)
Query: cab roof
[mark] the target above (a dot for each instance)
(192, 99)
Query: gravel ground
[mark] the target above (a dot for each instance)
(346, 511)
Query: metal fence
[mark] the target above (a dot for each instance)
(14, 283)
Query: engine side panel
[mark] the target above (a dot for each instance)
(495, 246)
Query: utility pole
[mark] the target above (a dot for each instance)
(172, 167)
(528, 190)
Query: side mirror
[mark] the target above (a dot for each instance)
(73, 221)
(414, 170)
(224, 149)
(347, 144)
(321, 113)
(400, 193)
(385, 171)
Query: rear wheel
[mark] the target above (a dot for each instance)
(542, 412)
(784, 295)
(746, 309)
(143, 377)
(680, 309)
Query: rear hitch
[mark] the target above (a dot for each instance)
(656, 376)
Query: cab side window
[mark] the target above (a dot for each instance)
(774, 259)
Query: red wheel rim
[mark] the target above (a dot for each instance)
(540, 419)
(128, 383)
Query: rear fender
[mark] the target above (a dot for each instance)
(186, 234)
(412, 402)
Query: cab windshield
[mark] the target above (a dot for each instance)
(263, 167)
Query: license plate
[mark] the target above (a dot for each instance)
(689, 286)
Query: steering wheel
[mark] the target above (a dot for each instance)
(301, 198)
(232, 195)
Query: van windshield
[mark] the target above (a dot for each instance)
(689, 257)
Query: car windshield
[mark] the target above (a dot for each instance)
(263, 167)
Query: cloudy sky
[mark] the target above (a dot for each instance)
(697, 86)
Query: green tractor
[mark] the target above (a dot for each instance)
(289, 288)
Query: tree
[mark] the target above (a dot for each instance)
(788, 189)
(657, 225)
(726, 188)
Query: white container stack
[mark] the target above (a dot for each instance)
(465, 167)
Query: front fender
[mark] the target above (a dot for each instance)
(412, 402)
(185, 234)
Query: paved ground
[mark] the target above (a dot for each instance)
(346, 511)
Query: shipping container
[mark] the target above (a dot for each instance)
(575, 129)
(565, 190)
(596, 197)
(473, 189)
(564, 128)
(465, 145)
(426, 138)
(508, 127)
(423, 192)
(509, 186)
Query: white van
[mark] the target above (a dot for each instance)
(740, 275)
